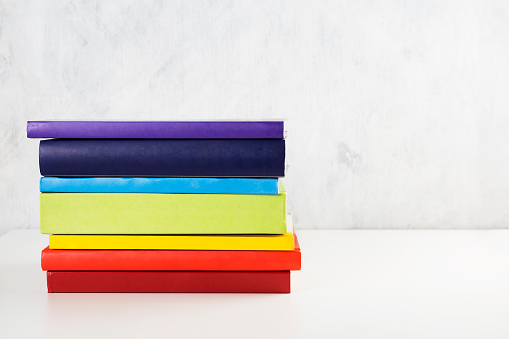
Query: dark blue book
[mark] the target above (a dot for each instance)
(162, 158)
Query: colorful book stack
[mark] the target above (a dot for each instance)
(165, 206)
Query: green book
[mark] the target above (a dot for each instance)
(149, 213)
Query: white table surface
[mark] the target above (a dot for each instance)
(353, 284)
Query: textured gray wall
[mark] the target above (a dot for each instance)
(397, 110)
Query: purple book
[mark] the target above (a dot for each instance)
(156, 129)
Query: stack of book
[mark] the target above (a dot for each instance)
(165, 206)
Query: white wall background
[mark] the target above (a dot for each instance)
(398, 111)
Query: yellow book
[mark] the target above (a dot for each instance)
(279, 242)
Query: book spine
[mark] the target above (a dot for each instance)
(160, 185)
(145, 213)
(156, 260)
(168, 282)
(282, 242)
(162, 158)
(156, 129)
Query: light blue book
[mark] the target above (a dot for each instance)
(161, 185)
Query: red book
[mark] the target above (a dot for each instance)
(170, 260)
(168, 282)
